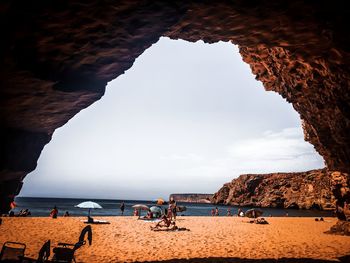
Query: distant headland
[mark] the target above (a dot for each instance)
(192, 198)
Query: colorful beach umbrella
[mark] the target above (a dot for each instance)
(156, 210)
(160, 201)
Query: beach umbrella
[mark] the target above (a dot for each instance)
(160, 201)
(253, 213)
(156, 210)
(89, 205)
(141, 207)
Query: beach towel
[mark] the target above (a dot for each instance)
(150, 220)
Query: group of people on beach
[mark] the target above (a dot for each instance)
(168, 220)
(54, 213)
(170, 212)
(215, 212)
(22, 213)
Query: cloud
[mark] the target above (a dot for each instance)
(280, 151)
(182, 157)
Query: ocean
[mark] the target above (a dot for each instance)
(41, 207)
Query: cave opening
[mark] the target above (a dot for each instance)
(191, 112)
(58, 57)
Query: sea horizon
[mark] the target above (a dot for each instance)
(41, 207)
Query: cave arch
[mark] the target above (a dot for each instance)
(58, 56)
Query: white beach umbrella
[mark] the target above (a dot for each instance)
(89, 205)
(141, 206)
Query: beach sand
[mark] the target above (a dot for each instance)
(210, 239)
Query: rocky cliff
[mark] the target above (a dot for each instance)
(305, 190)
(192, 198)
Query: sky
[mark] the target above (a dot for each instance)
(185, 118)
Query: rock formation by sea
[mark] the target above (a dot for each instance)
(302, 190)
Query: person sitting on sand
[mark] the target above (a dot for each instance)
(136, 212)
(90, 219)
(66, 214)
(24, 213)
(261, 221)
(149, 215)
(27, 212)
(54, 212)
(164, 223)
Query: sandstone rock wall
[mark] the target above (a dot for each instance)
(306, 190)
(340, 185)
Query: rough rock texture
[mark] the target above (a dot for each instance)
(192, 198)
(306, 190)
(340, 185)
(340, 228)
(57, 56)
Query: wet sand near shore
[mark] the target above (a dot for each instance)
(210, 239)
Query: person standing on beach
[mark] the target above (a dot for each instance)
(216, 211)
(122, 208)
(54, 212)
(213, 212)
(170, 212)
(171, 208)
(228, 211)
(174, 207)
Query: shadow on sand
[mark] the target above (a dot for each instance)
(344, 259)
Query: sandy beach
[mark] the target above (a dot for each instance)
(210, 239)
